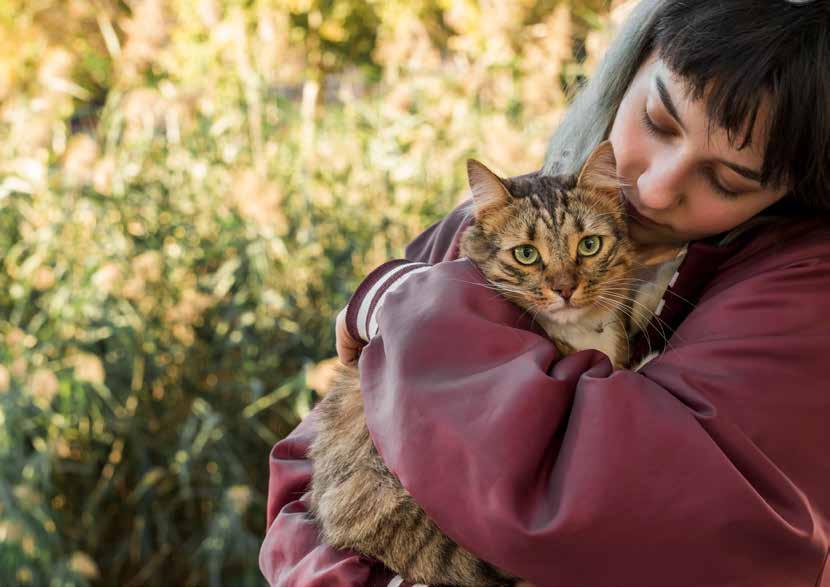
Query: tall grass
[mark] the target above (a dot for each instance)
(189, 191)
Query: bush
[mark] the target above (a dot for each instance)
(189, 193)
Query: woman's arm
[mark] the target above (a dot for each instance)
(292, 553)
(707, 468)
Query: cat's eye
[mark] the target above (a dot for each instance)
(589, 246)
(526, 254)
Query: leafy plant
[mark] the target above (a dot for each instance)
(189, 192)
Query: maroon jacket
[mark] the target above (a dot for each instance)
(707, 467)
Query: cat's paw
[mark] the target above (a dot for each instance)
(563, 347)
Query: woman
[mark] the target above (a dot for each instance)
(708, 465)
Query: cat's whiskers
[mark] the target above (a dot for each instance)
(493, 286)
(610, 310)
(617, 306)
(504, 287)
(651, 283)
(621, 308)
(662, 324)
(644, 328)
(534, 314)
(632, 281)
(528, 305)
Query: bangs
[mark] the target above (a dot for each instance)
(742, 56)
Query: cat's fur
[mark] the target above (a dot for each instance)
(358, 503)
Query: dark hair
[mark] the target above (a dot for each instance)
(738, 53)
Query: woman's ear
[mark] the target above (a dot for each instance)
(489, 193)
(599, 173)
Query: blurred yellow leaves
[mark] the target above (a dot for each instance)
(259, 200)
(147, 266)
(11, 531)
(82, 563)
(189, 191)
(187, 313)
(42, 385)
(55, 74)
(146, 31)
(80, 159)
(239, 497)
(43, 278)
(107, 278)
(88, 368)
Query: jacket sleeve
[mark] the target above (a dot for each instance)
(707, 467)
(292, 553)
(438, 243)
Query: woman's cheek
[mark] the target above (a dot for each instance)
(709, 217)
(630, 148)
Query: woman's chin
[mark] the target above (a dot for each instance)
(652, 235)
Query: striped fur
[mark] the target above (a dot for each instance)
(359, 504)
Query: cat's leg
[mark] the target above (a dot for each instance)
(563, 347)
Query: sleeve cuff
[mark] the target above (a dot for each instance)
(363, 308)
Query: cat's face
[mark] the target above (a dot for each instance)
(557, 246)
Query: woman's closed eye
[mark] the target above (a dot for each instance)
(708, 173)
(651, 127)
(712, 178)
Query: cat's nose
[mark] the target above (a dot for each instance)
(565, 293)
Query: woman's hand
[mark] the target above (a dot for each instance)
(348, 349)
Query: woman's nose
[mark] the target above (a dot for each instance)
(660, 187)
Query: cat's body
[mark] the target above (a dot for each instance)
(535, 239)
(361, 506)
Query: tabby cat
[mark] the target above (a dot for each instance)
(556, 246)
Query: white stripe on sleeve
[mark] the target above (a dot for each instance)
(373, 319)
(366, 303)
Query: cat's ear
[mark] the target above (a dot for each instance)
(489, 193)
(600, 170)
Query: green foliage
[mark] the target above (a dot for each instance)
(189, 192)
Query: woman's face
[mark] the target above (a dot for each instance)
(683, 183)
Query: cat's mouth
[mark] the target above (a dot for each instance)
(566, 312)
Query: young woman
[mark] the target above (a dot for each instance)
(708, 465)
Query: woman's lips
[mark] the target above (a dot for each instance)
(634, 214)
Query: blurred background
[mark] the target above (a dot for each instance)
(189, 192)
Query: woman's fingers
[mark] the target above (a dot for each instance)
(348, 349)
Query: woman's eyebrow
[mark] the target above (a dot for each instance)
(668, 103)
(745, 171)
(665, 97)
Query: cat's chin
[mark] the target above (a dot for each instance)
(567, 315)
